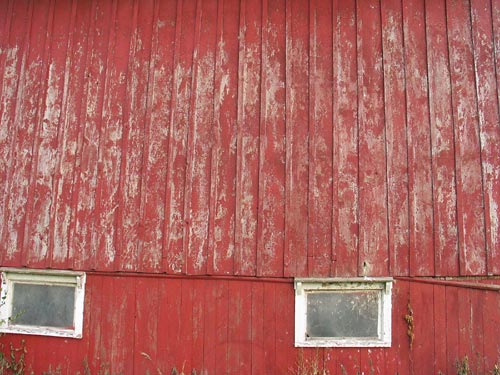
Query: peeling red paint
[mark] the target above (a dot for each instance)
(252, 138)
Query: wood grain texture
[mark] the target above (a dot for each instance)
(272, 142)
(442, 142)
(223, 203)
(320, 181)
(174, 258)
(297, 138)
(252, 138)
(393, 47)
(418, 133)
(157, 133)
(469, 179)
(489, 130)
(373, 251)
(110, 157)
(345, 156)
(200, 140)
(245, 326)
(15, 53)
(247, 143)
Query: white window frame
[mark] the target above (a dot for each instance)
(41, 277)
(303, 286)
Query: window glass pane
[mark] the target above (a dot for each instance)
(43, 305)
(343, 314)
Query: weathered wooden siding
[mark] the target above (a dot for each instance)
(268, 138)
(220, 325)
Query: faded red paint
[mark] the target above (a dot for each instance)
(228, 325)
(253, 139)
(224, 138)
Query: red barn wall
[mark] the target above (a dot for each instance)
(268, 138)
(258, 141)
(220, 325)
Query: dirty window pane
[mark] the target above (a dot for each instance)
(343, 314)
(43, 305)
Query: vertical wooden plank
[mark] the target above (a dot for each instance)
(464, 346)
(372, 361)
(452, 329)
(184, 353)
(321, 139)
(249, 88)
(5, 22)
(71, 363)
(27, 118)
(401, 349)
(47, 349)
(391, 355)
(349, 361)
(393, 47)
(471, 230)
(121, 316)
(6, 77)
(471, 331)
(345, 218)
(495, 18)
(491, 319)
(239, 352)
(174, 256)
(269, 342)
(47, 150)
(129, 233)
(285, 331)
(79, 350)
(423, 355)
(198, 178)
(169, 323)
(6, 49)
(419, 153)
(305, 360)
(330, 362)
(479, 329)
(36, 245)
(25, 114)
(223, 158)
(9, 70)
(271, 224)
(84, 232)
(210, 338)
(257, 338)
(443, 149)
(145, 344)
(63, 187)
(439, 338)
(297, 138)
(98, 350)
(156, 137)
(6, 46)
(223, 328)
(489, 131)
(373, 237)
(62, 355)
(198, 322)
(110, 153)
(16, 69)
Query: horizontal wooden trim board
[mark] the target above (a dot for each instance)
(284, 138)
(286, 280)
(457, 282)
(454, 282)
